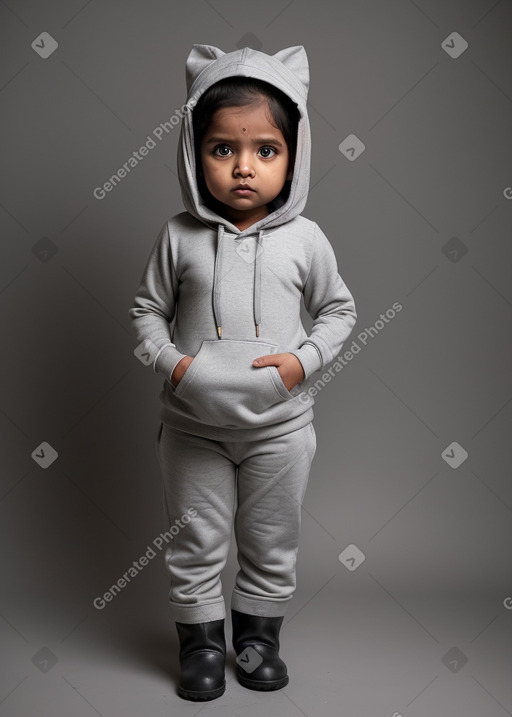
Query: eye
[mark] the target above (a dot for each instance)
(266, 149)
(221, 153)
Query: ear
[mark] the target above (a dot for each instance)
(295, 59)
(200, 57)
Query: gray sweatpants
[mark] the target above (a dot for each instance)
(207, 483)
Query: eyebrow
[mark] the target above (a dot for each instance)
(259, 140)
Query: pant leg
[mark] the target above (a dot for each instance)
(272, 480)
(199, 479)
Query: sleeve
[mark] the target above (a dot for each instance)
(155, 304)
(329, 303)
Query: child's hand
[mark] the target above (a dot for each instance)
(180, 369)
(291, 371)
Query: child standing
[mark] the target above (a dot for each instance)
(236, 439)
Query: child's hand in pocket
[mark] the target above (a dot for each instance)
(180, 369)
(291, 371)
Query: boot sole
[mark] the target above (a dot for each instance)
(262, 686)
(200, 696)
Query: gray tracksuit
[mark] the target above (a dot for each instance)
(235, 295)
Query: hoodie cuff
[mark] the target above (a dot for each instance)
(310, 358)
(167, 360)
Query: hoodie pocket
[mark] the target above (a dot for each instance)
(278, 381)
(221, 386)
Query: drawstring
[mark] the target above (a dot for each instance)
(257, 284)
(217, 281)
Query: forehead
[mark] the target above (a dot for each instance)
(253, 117)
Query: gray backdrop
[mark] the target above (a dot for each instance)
(404, 601)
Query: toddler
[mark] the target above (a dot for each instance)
(235, 439)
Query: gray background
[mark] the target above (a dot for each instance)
(422, 217)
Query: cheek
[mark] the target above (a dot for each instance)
(212, 179)
(212, 168)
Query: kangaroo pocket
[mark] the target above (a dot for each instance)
(221, 386)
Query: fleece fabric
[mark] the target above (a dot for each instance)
(234, 295)
(255, 488)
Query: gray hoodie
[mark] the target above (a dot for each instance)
(235, 295)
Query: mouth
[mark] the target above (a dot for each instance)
(243, 190)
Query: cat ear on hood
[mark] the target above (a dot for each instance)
(296, 60)
(199, 58)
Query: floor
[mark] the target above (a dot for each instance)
(351, 649)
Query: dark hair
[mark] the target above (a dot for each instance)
(239, 92)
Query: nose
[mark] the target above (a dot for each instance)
(244, 166)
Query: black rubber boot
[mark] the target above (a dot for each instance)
(256, 643)
(202, 660)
